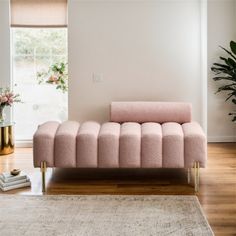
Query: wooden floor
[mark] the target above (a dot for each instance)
(217, 193)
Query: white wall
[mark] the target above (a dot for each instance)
(221, 30)
(204, 75)
(144, 50)
(5, 60)
(4, 44)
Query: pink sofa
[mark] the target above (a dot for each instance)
(139, 135)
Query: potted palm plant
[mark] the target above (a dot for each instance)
(226, 71)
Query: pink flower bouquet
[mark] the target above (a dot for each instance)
(57, 74)
(7, 98)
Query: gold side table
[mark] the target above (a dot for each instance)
(6, 138)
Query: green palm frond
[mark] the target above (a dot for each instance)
(226, 71)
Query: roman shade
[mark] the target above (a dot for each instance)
(38, 13)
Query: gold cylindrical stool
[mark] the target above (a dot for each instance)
(6, 138)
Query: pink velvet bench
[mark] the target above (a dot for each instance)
(139, 135)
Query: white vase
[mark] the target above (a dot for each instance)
(2, 115)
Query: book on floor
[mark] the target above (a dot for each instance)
(26, 184)
(7, 177)
(9, 182)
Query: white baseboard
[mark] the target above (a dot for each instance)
(221, 139)
(24, 143)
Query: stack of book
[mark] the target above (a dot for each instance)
(9, 182)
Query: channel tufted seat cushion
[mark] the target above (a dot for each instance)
(151, 145)
(130, 145)
(65, 144)
(165, 138)
(108, 143)
(173, 145)
(87, 145)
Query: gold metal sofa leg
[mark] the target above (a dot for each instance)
(196, 175)
(43, 166)
(189, 175)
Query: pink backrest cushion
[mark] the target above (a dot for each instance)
(141, 112)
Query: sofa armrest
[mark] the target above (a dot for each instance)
(195, 144)
(43, 143)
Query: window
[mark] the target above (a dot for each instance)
(34, 51)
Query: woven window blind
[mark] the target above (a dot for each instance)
(38, 13)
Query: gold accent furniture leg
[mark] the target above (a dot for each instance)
(189, 175)
(196, 175)
(43, 166)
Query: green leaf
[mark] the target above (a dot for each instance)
(224, 59)
(218, 70)
(222, 70)
(217, 78)
(228, 87)
(230, 95)
(228, 52)
(222, 65)
(233, 47)
(229, 61)
(232, 62)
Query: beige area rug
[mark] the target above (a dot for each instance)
(101, 215)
